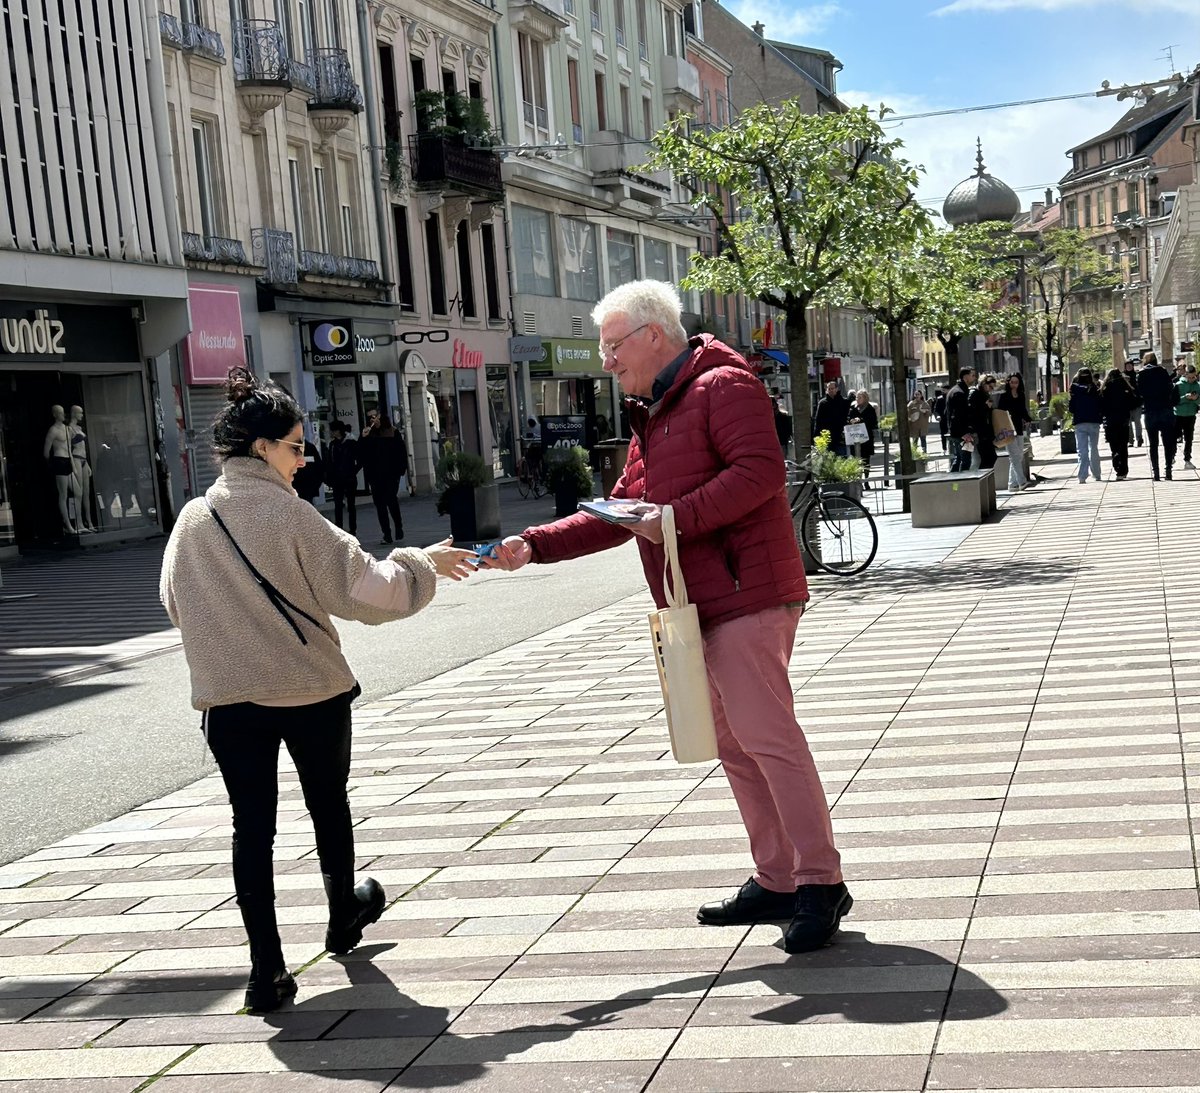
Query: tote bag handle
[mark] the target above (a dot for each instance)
(674, 586)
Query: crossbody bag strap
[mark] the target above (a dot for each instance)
(278, 600)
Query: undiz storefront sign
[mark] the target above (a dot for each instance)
(43, 332)
(35, 336)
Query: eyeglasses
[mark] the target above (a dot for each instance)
(297, 446)
(607, 349)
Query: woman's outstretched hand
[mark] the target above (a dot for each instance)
(451, 561)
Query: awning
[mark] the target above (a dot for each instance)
(779, 355)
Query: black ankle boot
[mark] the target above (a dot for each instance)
(351, 910)
(268, 988)
(270, 984)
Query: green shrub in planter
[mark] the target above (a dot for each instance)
(460, 471)
(469, 497)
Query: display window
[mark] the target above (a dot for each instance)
(77, 457)
(503, 419)
(583, 395)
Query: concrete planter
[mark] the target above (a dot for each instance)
(475, 513)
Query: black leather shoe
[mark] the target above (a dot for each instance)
(268, 990)
(347, 925)
(819, 911)
(751, 903)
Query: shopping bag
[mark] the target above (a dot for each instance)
(1002, 426)
(857, 433)
(679, 655)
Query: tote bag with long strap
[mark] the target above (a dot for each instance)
(679, 654)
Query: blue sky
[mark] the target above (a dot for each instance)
(919, 55)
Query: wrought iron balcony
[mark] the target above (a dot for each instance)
(260, 54)
(169, 30)
(333, 81)
(214, 248)
(337, 265)
(203, 41)
(447, 162)
(275, 252)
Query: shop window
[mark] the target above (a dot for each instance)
(657, 256)
(466, 275)
(622, 258)
(491, 283)
(534, 251)
(581, 270)
(405, 294)
(437, 268)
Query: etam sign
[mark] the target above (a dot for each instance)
(38, 336)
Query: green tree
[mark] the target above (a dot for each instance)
(1097, 354)
(812, 194)
(1062, 265)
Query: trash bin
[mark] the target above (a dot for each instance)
(613, 454)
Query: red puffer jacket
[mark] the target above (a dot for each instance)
(709, 450)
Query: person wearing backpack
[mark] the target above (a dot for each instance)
(252, 577)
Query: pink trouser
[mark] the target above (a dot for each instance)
(764, 753)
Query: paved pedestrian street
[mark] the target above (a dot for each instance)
(1010, 745)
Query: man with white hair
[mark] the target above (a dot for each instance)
(704, 442)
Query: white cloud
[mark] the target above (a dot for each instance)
(1024, 146)
(784, 20)
(1186, 7)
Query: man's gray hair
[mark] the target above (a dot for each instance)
(644, 302)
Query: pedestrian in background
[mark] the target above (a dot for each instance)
(1135, 418)
(939, 412)
(251, 576)
(783, 423)
(341, 474)
(1015, 403)
(1185, 410)
(979, 417)
(1088, 414)
(1118, 402)
(830, 417)
(958, 421)
(707, 420)
(1159, 396)
(385, 462)
(918, 418)
(862, 411)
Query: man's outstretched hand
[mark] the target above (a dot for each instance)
(512, 553)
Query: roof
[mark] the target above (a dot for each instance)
(981, 198)
(1155, 107)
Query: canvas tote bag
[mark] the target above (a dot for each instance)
(679, 654)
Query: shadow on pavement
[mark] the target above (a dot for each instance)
(984, 576)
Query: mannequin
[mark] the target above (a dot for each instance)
(83, 469)
(57, 452)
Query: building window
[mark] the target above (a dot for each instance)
(576, 105)
(535, 104)
(437, 268)
(298, 213)
(405, 294)
(581, 270)
(619, 22)
(1101, 216)
(346, 205)
(319, 201)
(307, 24)
(658, 259)
(670, 32)
(622, 258)
(1087, 210)
(1135, 262)
(626, 114)
(466, 275)
(569, 7)
(1133, 198)
(601, 104)
(647, 117)
(491, 282)
(534, 251)
(643, 37)
(596, 22)
(1103, 153)
(206, 191)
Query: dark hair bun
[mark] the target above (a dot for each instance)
(241, 385)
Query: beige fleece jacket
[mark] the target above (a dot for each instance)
(238, 647)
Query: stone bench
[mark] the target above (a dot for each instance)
(961, 497)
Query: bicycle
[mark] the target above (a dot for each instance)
(835, 529)
(529, 478)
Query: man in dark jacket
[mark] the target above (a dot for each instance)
(979, 418)
(385, 461)
(703, 443)
(832, 410)
(341, 473)
(1156, 386)
(958, 419)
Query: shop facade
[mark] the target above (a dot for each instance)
(569, 381)
(77, 462)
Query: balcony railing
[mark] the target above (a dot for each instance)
(333, 81)
(260, 53)
(275, 251)
(169, 30)
(203, 41)
(448, 162)
(337, 265)
(214, 248)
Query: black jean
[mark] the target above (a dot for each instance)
(1161, 425)
(1117, 435)
(1187, 428)
(343, 499)
(244, 739)
(387, 501)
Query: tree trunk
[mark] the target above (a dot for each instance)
(908, 465)
(951, 345)
(802, 407)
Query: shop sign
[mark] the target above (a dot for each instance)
(37, 332)
(562, 431)
(526, 348)
(462, 357)
(216, 342)
(363, 345)
(36, 336)
(333, 342)
(569, 356)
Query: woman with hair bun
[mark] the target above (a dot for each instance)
(252, 576)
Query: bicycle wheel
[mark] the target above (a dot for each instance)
(538, 486)
(524, 483)
(847, 538)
